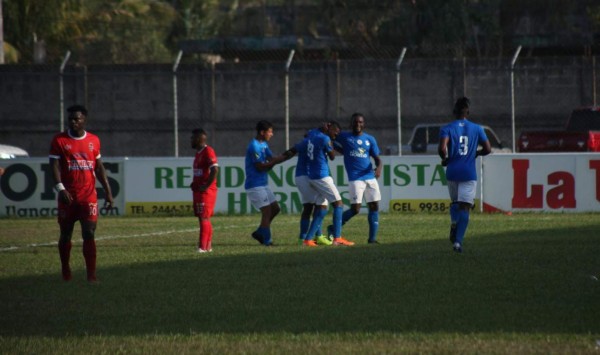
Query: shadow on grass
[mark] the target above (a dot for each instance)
(502, 283)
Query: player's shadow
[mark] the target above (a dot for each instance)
(497, 285)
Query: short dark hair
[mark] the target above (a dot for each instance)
(77, 108)
(335, 124)
(460, 105)
(198, 131)
(355, 115)
(263, 125)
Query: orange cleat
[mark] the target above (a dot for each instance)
(342, 241)
(309, 243)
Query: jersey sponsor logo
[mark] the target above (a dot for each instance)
(359, 153)
(81, 165)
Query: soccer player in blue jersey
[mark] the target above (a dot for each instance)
(319, 148)
(259, 160)
(358, 148)
(458, 145)
(312, 201)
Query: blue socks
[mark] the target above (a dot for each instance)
(316, 223)
(373, 219)
(337, 221)
(266, 234)
(461, 225)
(304, 224)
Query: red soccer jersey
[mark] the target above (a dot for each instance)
(77, 157)
(204, 160)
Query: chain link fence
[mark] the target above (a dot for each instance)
(149, 110)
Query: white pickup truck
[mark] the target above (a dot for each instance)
(426, 137)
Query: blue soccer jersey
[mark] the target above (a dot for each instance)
(257, 152)
(464, 138)
(301, 164)
(317, 147)
(358, 151)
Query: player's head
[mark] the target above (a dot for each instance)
(357, 122)
(333, 129)
(264, 130)
(199, 138)
(461, 107)
(77, 116)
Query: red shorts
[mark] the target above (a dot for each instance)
(77, 211)
(204, 203)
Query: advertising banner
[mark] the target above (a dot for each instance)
(147, 186)
(27, 188)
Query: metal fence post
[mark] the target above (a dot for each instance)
(175, 104)
(398, 100)
(62, 90)
(512, 96)
(287, 98)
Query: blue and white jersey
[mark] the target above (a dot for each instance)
(257, 152)
(464, 138)
(358, 151)
(317, 147)
(302, 163)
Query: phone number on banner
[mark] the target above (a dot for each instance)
(146, 208)
(419, 206)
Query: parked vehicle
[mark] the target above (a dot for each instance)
(582, 134)
(11, 152)
(426, 137)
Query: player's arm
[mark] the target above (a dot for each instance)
(443, 150)
(378, 166)
(270, 163)
(289, 154)
(63, 193)
(485, 149)
(330, 151)
(212, 175)
(101, 176)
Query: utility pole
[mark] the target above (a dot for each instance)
(1, 35)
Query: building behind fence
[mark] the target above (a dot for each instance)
(134, 109)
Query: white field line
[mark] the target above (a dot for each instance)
(109, 237)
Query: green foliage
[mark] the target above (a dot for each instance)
(524, 284)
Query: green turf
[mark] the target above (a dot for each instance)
(525, 283)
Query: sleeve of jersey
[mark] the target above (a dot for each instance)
(444, 133)
(327, 143)
(212, 156)
(254, 153)
(482, 136)
(374, 147)
(55, 151)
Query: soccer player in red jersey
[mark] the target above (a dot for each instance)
(204, 187)
(75, 161)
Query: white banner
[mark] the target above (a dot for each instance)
(145, 186)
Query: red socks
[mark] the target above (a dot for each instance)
(89, 253)
(205, 234)
(64, 250)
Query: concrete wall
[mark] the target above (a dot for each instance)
(132, 107)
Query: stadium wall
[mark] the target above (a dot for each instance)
(132, 107)
(410, 184)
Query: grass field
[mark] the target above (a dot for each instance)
(526, 283)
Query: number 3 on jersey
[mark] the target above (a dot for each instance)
(464, 145)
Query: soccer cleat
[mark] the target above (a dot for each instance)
(259, 238)
(309, 243)
(323, 240)
(330, 231)
(452, 233)
(457, 247)
(66, 274)
(342, 241)
(200, 250)
(270, 244)
(372, 242)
